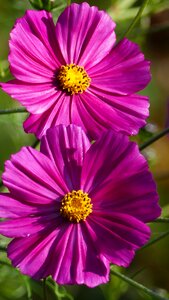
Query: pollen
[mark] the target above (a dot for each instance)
(73, 79)
(76, 206)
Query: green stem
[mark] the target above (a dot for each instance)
(137, 18)
(35, 144)
(137, 272)
(1, 183)
(28, 287)
(161, 220)
(3, 248)
(155, 240)
(5, 264)
(154, 138)
(12, 110)
(44, 289)
(68, 2)
(137, 285)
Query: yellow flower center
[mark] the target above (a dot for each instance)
(76, 206)
(73, 79)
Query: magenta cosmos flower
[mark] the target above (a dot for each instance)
(75, 73)
(74, 207)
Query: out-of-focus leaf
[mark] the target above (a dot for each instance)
(4, 69)
(122, 10)
(48, 5)
(165, 211)
(10, 277)
(140, 287)
(12, 135)
(125, 3)
(114, 288)
(59, 291)
(57, 9)
(37, 4)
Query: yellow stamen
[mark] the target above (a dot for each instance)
(76, 206)
(73, 79)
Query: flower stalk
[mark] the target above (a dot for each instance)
(44, 289)
(136, 19)
(161, 220)
(12, 110)
(154, 139)
(155, 240)
(137, 285)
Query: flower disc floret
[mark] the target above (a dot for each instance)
(76, 206)
(73, 78)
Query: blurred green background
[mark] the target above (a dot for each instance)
(151, 265)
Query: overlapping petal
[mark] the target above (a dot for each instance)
(58, 113)
(31, 176)
(66, 147)
(113, 175)
(95, 113)
(125, 114)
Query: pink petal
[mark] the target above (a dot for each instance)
(66, 147)
(37, 98)
(95, 113)
(12, 208)
(84, 34)
(123, 71)
(58, 113)
(76, 254)
(120, 180)
(35, 250)
(31, 176)
(108, 151)
(26, 226)
(118, 236)
(33, 55)
(65, 249)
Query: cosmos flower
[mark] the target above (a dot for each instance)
(73, 208)
(75, 72)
